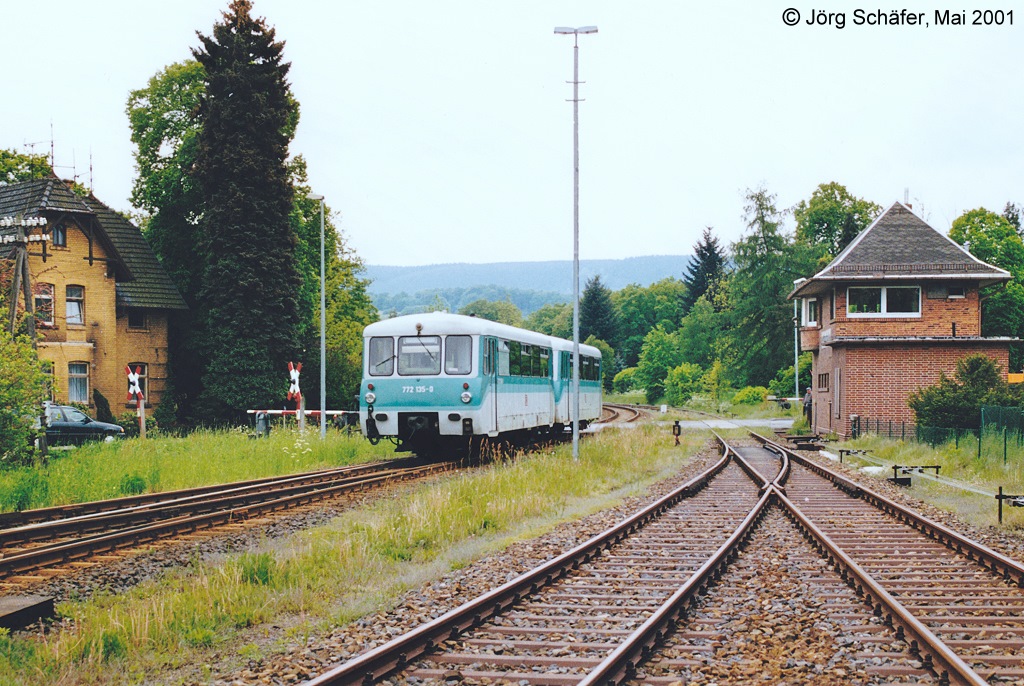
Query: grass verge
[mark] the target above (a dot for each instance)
(363, 560)
(97, 471)
(959, 460)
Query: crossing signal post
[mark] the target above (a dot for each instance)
(135, 391)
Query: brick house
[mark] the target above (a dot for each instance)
(892, 311)
(101, 297)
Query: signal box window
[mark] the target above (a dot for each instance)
(75, 305)
(885, 301)
(419, 355)
(381, 361)
(78, 382)
(458, 354)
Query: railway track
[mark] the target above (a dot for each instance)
(612, 412)
(38, 539)
(766, 564)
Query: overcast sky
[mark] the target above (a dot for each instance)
(440, 131)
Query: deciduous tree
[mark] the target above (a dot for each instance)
(832, 217)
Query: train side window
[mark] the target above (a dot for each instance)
(458, 354)
(503, 358)
(515, 358)
(419, 355)
(488, 364)
(535, 361)
(545, 362)
(382, 356)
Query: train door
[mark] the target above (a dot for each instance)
(490, 379)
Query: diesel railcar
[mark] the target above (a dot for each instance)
(440, 381)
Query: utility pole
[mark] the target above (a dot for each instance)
(21, 284)
(575, 389)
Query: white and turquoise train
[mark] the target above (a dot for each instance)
(439, 381)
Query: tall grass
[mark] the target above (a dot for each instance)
(334, 573)
(958, 459)
(97, 471)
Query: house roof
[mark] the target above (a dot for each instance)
(901, 246)
(141, 279)
(151, 287)
(32, 198)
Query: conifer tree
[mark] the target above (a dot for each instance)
(248, 311)
(705, 271)
(597, 313)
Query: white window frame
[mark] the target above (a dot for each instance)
(884, 314)
(79, 364)
(806, 314)
(74, 318)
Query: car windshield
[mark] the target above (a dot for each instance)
(76, 416)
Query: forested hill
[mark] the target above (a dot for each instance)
(529, 285)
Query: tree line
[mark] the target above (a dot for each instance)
(725, 328)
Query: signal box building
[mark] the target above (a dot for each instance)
(101, 298)
(895, 309)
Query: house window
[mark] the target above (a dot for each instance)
(810, 312)
(142, 369)
(78, 382)
(823, 382)
(957, 292)
(136, 318)
(59, 236)
(43, 302)
(75, 305)
(883, 301)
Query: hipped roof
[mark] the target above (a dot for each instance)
(900, 246)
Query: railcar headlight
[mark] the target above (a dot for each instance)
(370, 397)
(466, 396)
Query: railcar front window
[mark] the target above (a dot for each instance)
(419, 355)
(458, 354)
(382, 356)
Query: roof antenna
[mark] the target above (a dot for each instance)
(90, 170)
(906, 198)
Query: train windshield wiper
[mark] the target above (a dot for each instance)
(384, 362)
(424, 346)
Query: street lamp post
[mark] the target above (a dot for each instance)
(575, 391)
(323, 325)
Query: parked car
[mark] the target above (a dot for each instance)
(70, 426)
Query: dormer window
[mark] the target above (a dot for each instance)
(883, 301)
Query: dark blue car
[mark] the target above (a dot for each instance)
(70, 426)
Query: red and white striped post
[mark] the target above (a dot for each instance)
(295, 394)
(135, 390)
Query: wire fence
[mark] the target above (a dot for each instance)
(1001, 431)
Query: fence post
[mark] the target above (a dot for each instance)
(1000, 498)
(1004, 446)
(979, 443)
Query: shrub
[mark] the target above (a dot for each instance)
(103, 413)
(682, 382)
(130, 421)
(132, 484)
(751, 395)
(956, 403)
(22, 389)
(624, 381)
